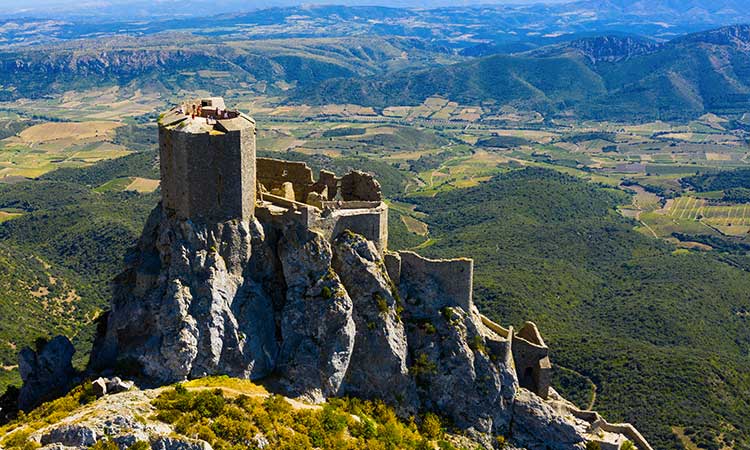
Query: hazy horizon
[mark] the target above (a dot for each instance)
(145, 8)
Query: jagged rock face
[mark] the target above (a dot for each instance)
(186, 307)
(451, 364)
(251, 300)
(317, 329)
(46, 373)
(381, 338)
(535, 422)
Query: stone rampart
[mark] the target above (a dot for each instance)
(355, 186)
(371, 222)
(453, 278)
(273, 173)
(531, 357)
(358, 185)
(625, 429)
(497, 329)
(392, 261)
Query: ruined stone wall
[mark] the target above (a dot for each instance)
(531, 357)
(354, 186)
(625, 429)
(453, 278)
(371, 223)
(273, 173)
(358, 185)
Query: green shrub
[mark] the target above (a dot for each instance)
(448, 314)
(431, 426)
(428, 328)
(591, 445)
(381, 302)
(140, 445)
(230, 424)
(104, 445)
(477, 344)
(18, 439)
(423, 366)
(627, 445)
(208, 403)
(445, 445)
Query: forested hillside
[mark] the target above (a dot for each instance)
(663, 334)
(200, 63)
(612, 78)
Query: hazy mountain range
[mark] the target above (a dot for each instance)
(598, 77)
(512, 27)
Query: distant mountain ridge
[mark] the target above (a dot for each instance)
(736, 35)
(610, 48)
(184, 61)
(606, 77)
(506, 27)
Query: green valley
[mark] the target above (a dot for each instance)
(599, 179)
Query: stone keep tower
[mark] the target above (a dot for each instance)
(207, 156)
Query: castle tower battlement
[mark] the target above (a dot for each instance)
(207, 156)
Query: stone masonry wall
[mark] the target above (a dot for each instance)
(453, 277)
(209, 175)
(354, 186)
(531, 357)
(272, 173)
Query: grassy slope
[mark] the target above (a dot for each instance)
(230, 413)
(658, 333)
(68, 245)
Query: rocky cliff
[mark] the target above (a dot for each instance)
(314, 318)
(324, 318)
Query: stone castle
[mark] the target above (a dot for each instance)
(251, 267)
(210, 172)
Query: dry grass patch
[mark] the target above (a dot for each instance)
(415, 226)
(231, 385)
(143, 185)
(5, 216)
(718, 157)
(54, 131)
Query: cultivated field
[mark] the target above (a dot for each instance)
(731, 219)
(46, 146)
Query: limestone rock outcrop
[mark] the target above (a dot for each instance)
(277, 300)
(324, 318)
(122, 419)
(47, 372)
(381, 335)
(185, 306)
(316, 325)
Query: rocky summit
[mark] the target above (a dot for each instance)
(299, 291)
